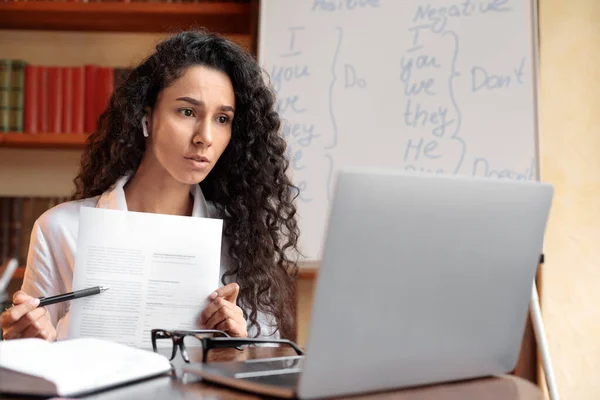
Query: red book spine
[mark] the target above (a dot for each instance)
(78, 109)
(90, 98)
(67, 97)
(55, 99)
(105, 83)
(31, 117)
(42, 99)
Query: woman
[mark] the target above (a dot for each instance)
(191, 132)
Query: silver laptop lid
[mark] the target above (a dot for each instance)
(424, 279)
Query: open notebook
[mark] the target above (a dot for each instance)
(70, 367)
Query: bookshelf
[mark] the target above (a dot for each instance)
(51, 141)
(229, 17)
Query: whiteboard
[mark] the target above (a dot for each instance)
(439, 86)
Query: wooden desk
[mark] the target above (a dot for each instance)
(187, 386)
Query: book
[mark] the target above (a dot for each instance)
(5, 81)
(17, 217)
(74, 367)
(31, 102)
(67, 99)
(54, 99)
(16, 96)
(15, 227)
(90, 72)
(42, 102)
(5, 240)
(78, 109)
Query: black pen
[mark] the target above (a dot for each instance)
(46, 301)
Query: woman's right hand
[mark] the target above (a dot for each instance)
(26, 320)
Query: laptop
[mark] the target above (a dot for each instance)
(424, 279)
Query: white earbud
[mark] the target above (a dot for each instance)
(145, 126)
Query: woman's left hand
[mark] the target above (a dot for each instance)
(222, 312)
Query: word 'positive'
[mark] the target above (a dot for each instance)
(335, 5)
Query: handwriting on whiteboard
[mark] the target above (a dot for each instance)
(430, 116)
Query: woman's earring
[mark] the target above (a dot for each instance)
(145, 126)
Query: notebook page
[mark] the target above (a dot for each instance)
(105, 364)
(81, 364)
(26, 355)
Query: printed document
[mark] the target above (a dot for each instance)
(160, 270)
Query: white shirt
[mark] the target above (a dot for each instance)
(53, 245)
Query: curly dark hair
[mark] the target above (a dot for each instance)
(248, 184)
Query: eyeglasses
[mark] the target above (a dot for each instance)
(196, 338)
(181, 339)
